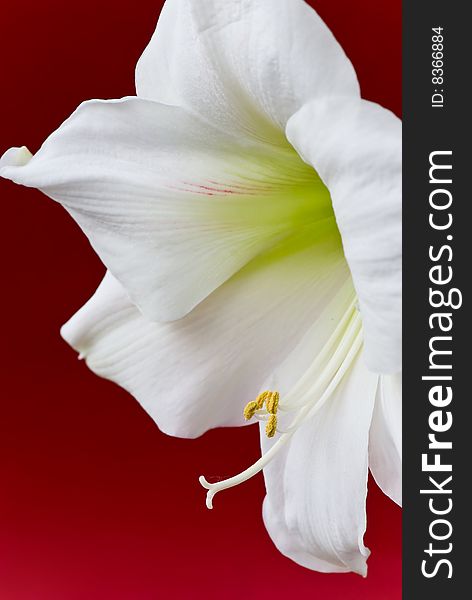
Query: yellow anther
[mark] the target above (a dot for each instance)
(261, 399)
(250, 409)
(271, 426)
(272, 402)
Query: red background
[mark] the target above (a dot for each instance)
(95, 502)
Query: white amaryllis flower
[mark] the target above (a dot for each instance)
(247, 206)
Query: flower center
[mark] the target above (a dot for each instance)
(304, 400)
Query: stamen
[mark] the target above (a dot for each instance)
(334, 371)
(250, 409)
(296, 397)
(312, 409)
(272, 402)
(300, 389)
(271, 426)
(254, 408)
(261, 398)
(257, 404)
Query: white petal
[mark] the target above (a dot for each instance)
(355, 146)
(199, 372)
(317, 484)
(247, 64)
(172, 206)
(385, 446)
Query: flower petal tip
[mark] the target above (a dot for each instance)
(15, 157)
(70, 335)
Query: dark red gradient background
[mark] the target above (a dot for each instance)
(95, 502)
